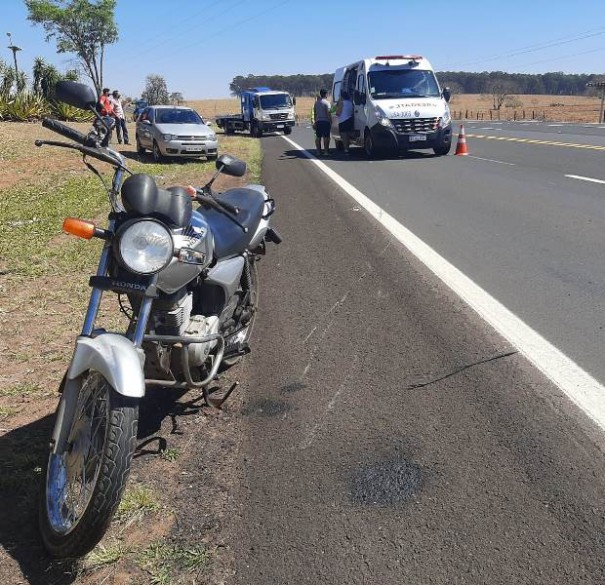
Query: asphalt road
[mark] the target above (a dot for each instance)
(511, 219)
(391, 436)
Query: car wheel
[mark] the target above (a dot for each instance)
(140, 149)
(368, 145)
(212, 156)
(443, 149)
(287, 130)
(157, 153)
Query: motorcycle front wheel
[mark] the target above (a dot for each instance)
(83, 484)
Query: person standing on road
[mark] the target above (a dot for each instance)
(344, 113)
(322, 123)
(121, 127)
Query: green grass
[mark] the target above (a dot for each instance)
(7, 412)
(31, 218)
(137, 501)
(164, 561)
(108, 553)
(22, 389)
(170, 454)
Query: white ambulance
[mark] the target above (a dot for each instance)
(397, 105)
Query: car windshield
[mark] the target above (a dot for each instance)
(281, 100)
(177, 116)
(398, 83)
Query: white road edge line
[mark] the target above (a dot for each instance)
(589, 179)
(584, 390)
(500, 162)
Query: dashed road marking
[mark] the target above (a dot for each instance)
(534, 141)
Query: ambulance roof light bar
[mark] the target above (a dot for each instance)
(412, 59)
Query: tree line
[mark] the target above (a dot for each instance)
(297, 85)
(555, 83)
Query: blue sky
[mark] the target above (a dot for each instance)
(199, 46)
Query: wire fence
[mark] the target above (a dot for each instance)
(551, 114)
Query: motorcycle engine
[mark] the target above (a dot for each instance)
(176, 319)
(201, 326)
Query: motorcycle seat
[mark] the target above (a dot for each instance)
(141, 196)
(229, 238)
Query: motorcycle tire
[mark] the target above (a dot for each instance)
(228, 362)
(83, 485)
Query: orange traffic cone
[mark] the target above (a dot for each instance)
(461, 148)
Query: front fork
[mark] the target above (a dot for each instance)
(118, 359)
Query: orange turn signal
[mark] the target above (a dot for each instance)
(79, 227)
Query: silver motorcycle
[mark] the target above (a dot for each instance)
(187, 281)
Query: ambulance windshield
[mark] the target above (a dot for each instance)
(402, 83)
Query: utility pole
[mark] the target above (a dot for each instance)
(601, 87)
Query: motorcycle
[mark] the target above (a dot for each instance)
(187, 281)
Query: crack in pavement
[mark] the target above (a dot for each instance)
(461, 369)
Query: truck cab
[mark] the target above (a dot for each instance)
(397, 105)
(265, 110)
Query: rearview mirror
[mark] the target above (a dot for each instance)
(231, 166)
(447, 94)
(76, 94)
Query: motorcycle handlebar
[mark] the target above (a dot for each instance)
(224, 204)
(94, 152)
(67, 131)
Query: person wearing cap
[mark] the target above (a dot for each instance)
(118, 110)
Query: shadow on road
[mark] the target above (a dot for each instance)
(356, 155)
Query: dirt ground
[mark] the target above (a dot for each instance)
(169, 529)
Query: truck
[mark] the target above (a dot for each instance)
(397, 105)
(262, 110)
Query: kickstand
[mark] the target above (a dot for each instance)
(218, 402)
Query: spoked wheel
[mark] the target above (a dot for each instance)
(84, 483)
(242, 337)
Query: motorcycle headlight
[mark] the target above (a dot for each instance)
(145, 246)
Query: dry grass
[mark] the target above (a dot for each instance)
(543, 107)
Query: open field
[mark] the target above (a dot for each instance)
(473, 106)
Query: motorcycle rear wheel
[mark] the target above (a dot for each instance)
(246, 333)
(84, 483)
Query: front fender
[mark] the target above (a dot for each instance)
(113, 356)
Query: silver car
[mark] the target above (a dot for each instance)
(174, 131)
